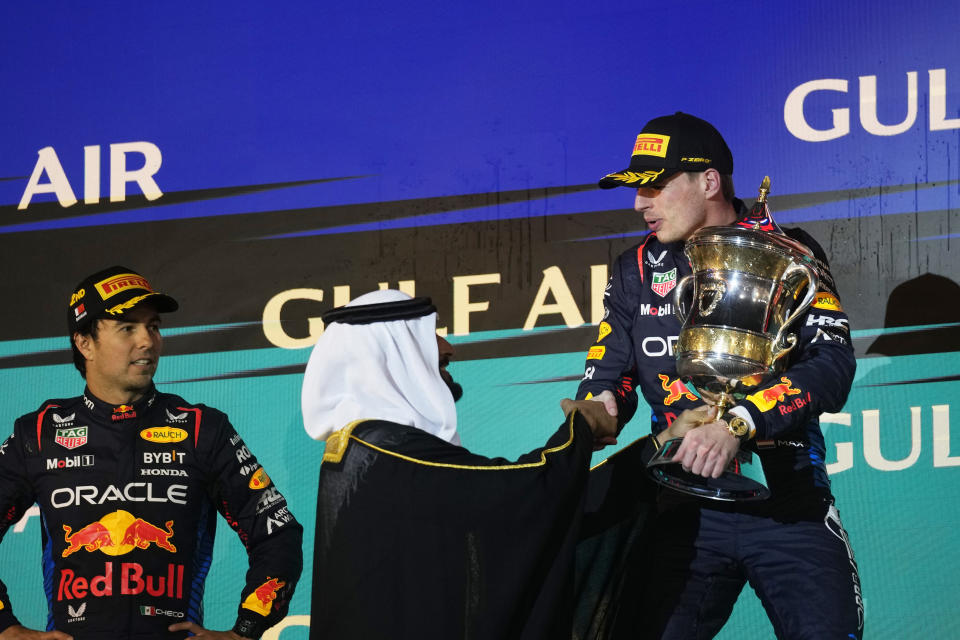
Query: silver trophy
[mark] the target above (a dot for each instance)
(736, 309)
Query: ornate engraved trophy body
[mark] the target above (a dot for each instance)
(736, 309)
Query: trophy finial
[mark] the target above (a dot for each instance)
(764, 189)
(758, 218)
(761, 204)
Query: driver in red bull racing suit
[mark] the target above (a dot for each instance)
(791, 548)
(129, 482)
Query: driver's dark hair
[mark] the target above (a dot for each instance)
(88, 329)
(726, 186)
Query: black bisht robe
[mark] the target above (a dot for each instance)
(418, 538)
(614, 546)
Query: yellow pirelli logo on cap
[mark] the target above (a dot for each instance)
(827, 301)
(651, 144)
(117, 283)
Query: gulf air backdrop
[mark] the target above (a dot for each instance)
(266, 162)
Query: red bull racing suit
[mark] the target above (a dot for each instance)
(128, 498)
(795, 535)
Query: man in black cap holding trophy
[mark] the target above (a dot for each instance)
(791, 547)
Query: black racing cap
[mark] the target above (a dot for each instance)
(669, 145)
(109, 294)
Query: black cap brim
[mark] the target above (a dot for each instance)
(163, 302)
(160, 301)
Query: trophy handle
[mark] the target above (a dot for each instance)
(782, 344)
(678, 297)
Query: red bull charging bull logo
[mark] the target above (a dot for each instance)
(118, 533)
(767, 399)
(91, 537)
(675, 390)
(261, 600)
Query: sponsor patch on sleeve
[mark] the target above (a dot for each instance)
(767, 399)
(827, 301)
(261, 599)
(604, 330)
(596, 353)
(259, 479)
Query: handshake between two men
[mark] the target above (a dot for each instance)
(708, 443)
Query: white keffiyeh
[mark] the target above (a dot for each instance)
(381, 370)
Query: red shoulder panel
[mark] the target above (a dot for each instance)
(196, 423)
(640, 255)
(40, 420)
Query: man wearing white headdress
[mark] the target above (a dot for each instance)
(385, 369)
(416, 537)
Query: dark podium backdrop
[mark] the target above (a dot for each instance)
(265, 164)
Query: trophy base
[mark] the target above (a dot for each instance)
(742, 480)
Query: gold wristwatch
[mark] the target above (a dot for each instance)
(737, 425)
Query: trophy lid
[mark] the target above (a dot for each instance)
(779, 242)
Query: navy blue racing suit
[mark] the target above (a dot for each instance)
(791, 547)
(128, 499)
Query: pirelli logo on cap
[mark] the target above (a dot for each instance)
(117, 283)
(651, 144)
